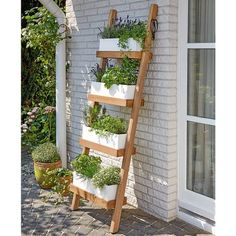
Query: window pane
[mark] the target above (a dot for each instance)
(201, 83)
(201, 21)
(201, 159)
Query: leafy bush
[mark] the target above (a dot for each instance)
(39, 39)
(107, 176)
(39, 126)
(92, 114)
(125, 29)
(60, 179)
(126, 73)
(38, 84)
(108, 124)
(86, 165)
(46, 153)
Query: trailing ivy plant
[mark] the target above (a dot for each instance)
(125, 29)
(125, 74)
(108, 124)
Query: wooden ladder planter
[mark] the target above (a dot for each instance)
(145, 56)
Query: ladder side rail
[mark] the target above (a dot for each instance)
(146, 57)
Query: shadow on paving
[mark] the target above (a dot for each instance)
(40, 215)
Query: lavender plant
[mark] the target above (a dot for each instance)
(125, 29)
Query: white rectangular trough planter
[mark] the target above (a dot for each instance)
(113, 45)
(83, 183)
(115, 91)
(108, 192)
(115, 141)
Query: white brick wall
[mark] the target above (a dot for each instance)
(152, 183)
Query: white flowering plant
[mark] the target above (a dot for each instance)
(107, 176)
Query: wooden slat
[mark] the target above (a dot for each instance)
(115, 223)
(94, 199)
(113, 101)
(114, 54)
(152, 16)
(104, 149)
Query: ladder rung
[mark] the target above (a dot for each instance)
(92, 198)
(117, 54)
(113, 101)
(104, 149)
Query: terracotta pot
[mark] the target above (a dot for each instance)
(40, 172)
(65, 180)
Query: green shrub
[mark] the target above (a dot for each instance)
(125, 29)
(108, 124)
(86, 165)
(46, 153)
(39, 39)
(107, 176)
(125, 74)
(39, 126)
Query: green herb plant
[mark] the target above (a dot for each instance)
(92, 114)
(107, 176)
(109, 125)
(46, 153)
(86, 165)
(97, 72)
(125, 74)
(125, 29)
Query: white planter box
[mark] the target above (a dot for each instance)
(108, 192)
(112, 45)
(115, 141)
(83, 183)
(117, 91)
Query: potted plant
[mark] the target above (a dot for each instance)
(124, 34)
(108, 131)
(106, 182)
(60, 179)
(117, 81)
(85, 167)
(45, 158)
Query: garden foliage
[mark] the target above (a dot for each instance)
(38, 83)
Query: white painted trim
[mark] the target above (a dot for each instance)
(196, 221)
(190, 200)
(201, 120)
(201, 45)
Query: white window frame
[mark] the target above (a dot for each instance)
(187, 199)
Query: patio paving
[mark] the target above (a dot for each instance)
(41, 214)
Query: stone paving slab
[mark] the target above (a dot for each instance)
(40, 215)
